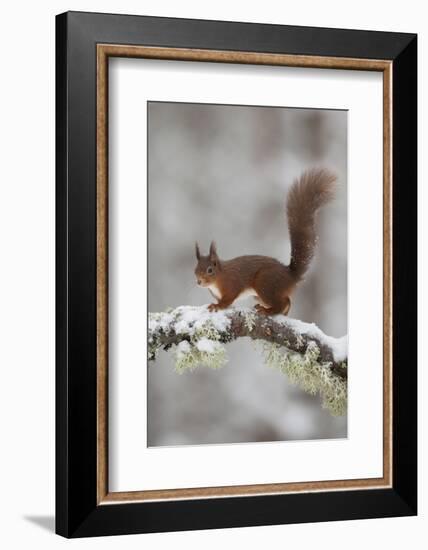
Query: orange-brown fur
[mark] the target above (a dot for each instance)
(271, 281)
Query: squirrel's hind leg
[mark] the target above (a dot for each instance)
(282, 306)
(273, 287)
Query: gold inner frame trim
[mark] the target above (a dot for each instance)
(104, 51)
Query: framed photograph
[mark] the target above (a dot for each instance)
(236, 274)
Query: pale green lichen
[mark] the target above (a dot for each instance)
(188, 356)
(207, 330)
(308, 373)
(249, 320)
(201, 345)
(205, 334)
(299, 341)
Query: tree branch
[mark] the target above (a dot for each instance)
(191, 324)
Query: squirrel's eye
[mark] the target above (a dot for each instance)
(210, 270)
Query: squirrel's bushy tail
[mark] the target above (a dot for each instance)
(312, 190)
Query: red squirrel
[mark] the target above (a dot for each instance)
(270, 281)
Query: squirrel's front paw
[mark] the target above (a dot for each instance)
(213, 307)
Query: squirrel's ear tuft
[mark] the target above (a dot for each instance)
(213, 251)
(198, 253)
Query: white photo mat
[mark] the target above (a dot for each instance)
(132, 465)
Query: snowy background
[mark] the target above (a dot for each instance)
(222, 172)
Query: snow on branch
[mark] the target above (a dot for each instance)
(311, 359)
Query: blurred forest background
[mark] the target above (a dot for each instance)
(222, 172)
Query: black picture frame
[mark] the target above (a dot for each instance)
(77, 511)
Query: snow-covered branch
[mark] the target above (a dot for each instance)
(311, 359)
(185, 323)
